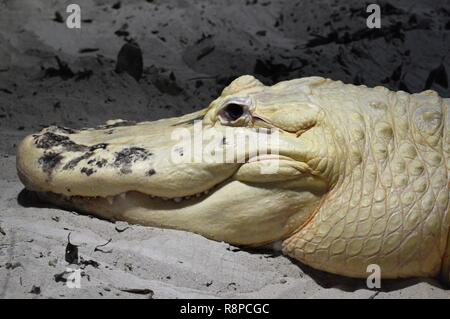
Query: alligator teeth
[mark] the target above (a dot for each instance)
(180, 199)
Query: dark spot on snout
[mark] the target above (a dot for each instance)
(49, 161)
(49, 140)
(100, 163)
(126, 157)
(87, 171)
(100, 146)
(60, 130)
(74, 162)
(150, 172)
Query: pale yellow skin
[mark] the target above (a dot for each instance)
(363, 177)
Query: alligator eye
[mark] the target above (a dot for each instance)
(235, 111)
(232, 112)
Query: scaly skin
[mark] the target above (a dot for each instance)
(390, 205)
(362, 179)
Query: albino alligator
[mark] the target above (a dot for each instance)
(363, 175)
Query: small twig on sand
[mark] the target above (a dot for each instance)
(120, 230)
(2, 231)
(101, 250)
(138, 291)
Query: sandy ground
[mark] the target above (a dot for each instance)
(191, 50)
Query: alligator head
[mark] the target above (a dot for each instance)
(349, 172)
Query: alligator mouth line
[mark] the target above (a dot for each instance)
(198, 196)
(111, 199)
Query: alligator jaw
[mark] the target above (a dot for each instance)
(226, 213)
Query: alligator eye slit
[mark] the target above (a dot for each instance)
(233, 111)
